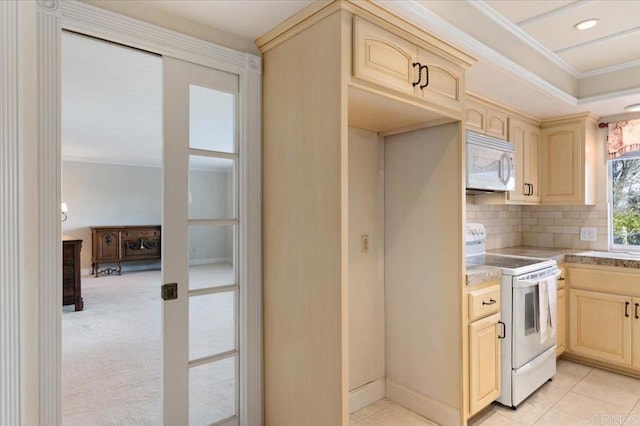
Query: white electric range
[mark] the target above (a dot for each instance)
(527, 359)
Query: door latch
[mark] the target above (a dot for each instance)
(170, 291)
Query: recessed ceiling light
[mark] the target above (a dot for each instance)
(632, 108)
(585, 25)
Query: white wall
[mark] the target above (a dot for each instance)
(105, 194)
(366, 270)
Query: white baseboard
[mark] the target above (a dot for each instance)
(210, 261)
(366, 394)
(430, 408)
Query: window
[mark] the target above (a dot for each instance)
(625, 203)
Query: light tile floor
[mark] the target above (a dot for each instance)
(578, 395)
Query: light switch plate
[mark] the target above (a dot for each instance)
(588, 234)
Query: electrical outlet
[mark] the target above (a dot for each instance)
(588, 234)
(364, 244)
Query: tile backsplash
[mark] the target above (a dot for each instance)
(503, 223)
(559, 226)
(541, 226)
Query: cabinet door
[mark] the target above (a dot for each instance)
(496, 124)
(475, 115)
(526, 138)
(446, 85)
(107, 246)
(561, 344)
(600, 326)
(531, 155)
(562, 163)
(383, 58)
(517, 135)
(484, 362)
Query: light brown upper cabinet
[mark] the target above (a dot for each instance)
(394, 63)
(526, 138)
(484, 119)
(567, 160)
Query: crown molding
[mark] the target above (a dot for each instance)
(553, 12)
(610, 69)
(521, 35)
(579, 46)
(411, 11)
(609, 96)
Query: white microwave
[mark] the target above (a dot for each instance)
(489, 163)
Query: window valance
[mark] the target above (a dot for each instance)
(624, 138)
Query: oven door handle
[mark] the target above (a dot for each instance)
(530, 283)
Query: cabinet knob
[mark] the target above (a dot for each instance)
(626, 309)
(636, 311)
(490, 302)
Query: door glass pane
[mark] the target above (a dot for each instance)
(212, 392)
(212, 324)
(211, 188)
(211, 119)
(211, 256)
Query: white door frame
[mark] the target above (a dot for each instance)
(52, 17)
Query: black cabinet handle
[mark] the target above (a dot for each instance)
(561, 279)
(417, 64)
(637, 304)
(626, 309)
(426, 68)
(490, 302)
(504, 330)
(529, 189)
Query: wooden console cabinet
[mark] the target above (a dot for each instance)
(71, 286)
(117, 244)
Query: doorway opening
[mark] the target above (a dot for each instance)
(112, 186)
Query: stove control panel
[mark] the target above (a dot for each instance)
(474, 232)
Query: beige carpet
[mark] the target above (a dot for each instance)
(111, 351)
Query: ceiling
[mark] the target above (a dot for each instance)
(529, 58)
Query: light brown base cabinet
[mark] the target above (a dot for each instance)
(484, 345)
(484, 362)
(600, 328)
(604, 316)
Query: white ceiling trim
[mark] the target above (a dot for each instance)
(553, 12)
(578, 46)
(609, 96)
(424, 18)
(611, 68)
(523, 36)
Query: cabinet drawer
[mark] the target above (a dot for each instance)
(139, 233)
(484, 302)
